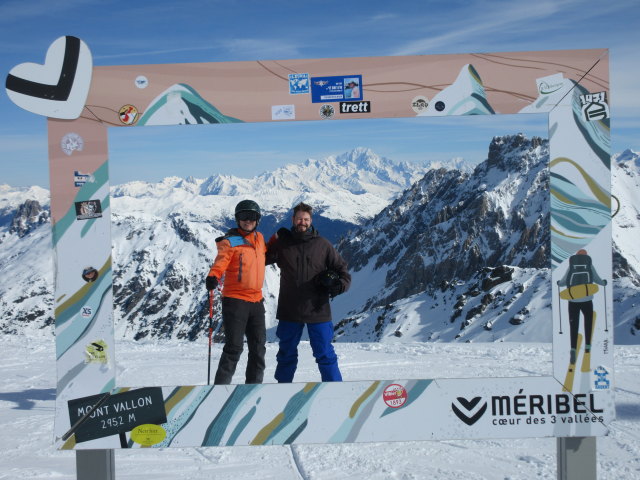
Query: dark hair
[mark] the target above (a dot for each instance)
(302, 207)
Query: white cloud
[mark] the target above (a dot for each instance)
(19, 10)
(261, 48)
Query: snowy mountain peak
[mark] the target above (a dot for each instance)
(628, 156)
(440, 254)
(513, 152)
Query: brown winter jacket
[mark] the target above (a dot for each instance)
(300, 258)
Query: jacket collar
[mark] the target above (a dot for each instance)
(305, 236)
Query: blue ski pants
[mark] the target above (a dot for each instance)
(320, 336)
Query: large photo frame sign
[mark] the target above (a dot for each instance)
(93, 412)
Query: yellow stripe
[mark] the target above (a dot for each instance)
(602, 196)
(561, 197)
(362, 398)
(553, 229)
(80, 293)
(309, 386)
(263, 434)
(177, 398)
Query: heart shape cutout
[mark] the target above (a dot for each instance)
(57, 89)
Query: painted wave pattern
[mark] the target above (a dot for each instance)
(70, 325)
(230, 410)
(465, 96)
(579, 213)
(362, 408)
(291, 422)
(242, 407)
(181, 406)
(91, 295)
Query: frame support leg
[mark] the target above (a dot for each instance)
(95, 465)
(577, 459)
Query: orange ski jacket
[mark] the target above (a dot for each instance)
(241, 259)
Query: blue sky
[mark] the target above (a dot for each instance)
(120, 33)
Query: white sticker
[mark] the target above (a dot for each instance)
(283, 112)
(141, 81)
(71, 142)
(419, 103)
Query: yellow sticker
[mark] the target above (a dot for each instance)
(148, 434)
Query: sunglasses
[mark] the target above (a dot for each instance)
(248, 215)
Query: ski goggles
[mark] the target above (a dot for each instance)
(247, 215)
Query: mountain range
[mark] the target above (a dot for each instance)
(455, 253)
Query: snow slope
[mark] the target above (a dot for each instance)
(27, 396)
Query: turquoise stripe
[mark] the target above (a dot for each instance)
(242, 424)
(70, 336)
(177, 424)
(294, 406)
(220, 423)
(98, 286)
(87, 191)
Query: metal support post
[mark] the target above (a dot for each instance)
(577, 459)
(95, 465)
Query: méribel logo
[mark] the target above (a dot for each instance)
(469, 411)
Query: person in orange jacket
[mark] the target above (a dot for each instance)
(241, 260)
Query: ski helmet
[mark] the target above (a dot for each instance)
(248, 210)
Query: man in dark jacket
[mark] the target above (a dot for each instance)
(311, 272)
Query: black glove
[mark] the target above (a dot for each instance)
(329, 281)
(604, 283)
(211, 282)
(336, 289)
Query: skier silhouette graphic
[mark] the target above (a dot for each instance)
(581, 280)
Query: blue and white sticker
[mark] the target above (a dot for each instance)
(601, 378)
(283, 112)
(141, 81)
(79, 179)
(298, 83)
(336, 89)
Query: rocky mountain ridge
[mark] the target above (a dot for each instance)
(407, 282)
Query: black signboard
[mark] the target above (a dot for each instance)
(119, 413)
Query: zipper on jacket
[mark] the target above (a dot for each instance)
(240, 268)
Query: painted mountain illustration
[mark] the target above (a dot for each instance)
(180, 104)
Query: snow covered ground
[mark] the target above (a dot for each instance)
(27, 398)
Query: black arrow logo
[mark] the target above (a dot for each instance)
(469, 406)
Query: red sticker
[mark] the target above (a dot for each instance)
(394, 395)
